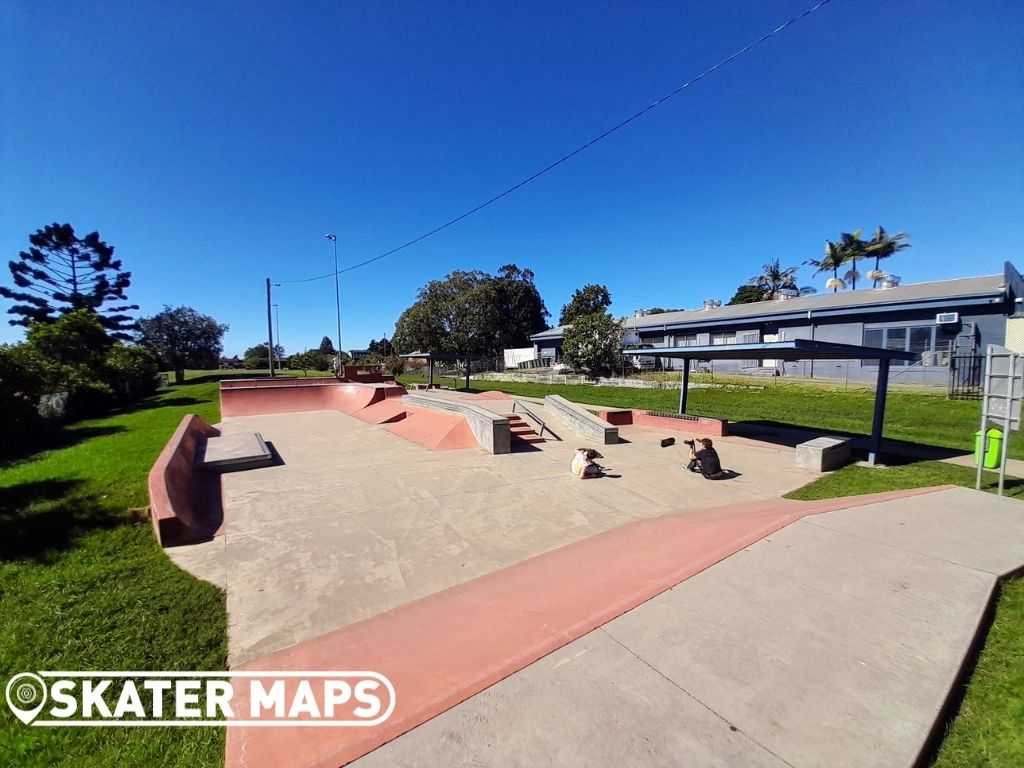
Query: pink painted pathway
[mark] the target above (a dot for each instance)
(449, 646)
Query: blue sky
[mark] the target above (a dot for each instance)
(214, 144)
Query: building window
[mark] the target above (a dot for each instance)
(919, 340)
(718, 339)
(686, 341)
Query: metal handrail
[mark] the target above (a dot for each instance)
(927, 360)
(533, 416)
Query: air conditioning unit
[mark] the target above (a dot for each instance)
(947, 318)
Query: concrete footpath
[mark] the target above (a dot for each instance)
(833, 641)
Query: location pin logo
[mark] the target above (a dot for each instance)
(26, 696)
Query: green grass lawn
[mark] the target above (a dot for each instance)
(926, 418)
(989, 729)
(855, 479)
(84, 585)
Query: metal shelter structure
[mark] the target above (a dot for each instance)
(797, 349)
(444, 357)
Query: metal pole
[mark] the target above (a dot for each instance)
(270, 333)
(337, 296)
(684, 384)
(1013, 390)
(982, 444)
(881, 388)
(277, 329)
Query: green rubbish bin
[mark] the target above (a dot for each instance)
(993, 448)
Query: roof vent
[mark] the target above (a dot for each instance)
(889, 281)
(639, 313)
(712, 303)
(782, 294)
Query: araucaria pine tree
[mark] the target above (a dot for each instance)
(61, 272)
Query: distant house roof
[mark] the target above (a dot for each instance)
(550, 333)
(984, 290)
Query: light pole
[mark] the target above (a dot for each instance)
(277, 330)
(337, 298)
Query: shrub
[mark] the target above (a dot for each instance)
(131, 371)
(393, 365)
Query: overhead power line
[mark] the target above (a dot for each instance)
(578, 150)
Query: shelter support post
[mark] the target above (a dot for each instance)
(684, 385)
(881, 389)
(467, 374)
(430, 373)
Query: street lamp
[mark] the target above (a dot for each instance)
(277, 331)
(337, 298)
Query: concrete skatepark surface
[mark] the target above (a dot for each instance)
(817, 638)
(357, 521)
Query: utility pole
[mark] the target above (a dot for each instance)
(337, 297)
(277, 331)
(270, 332)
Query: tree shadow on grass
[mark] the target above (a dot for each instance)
(41, 518)
(151, 403)
(53, 439)
(791, 435)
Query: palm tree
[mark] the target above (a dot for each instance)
(773, 278)
(851, 248)
(830, 262)
(882, 246)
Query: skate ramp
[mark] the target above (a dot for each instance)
(253, 399)
(434, 430)
(388, 410)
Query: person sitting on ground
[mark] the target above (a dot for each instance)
(705, 460)
(583, 465)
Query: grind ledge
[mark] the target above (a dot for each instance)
(233, 453)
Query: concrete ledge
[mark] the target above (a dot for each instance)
(824, 454)
(695, 425)
(582, 421)
(491, 431)
(233, 453)
(184, 501)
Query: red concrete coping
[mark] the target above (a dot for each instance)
(699, 425)
(184, 502)
(442, 649)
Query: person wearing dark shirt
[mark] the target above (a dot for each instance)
(705, 460)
